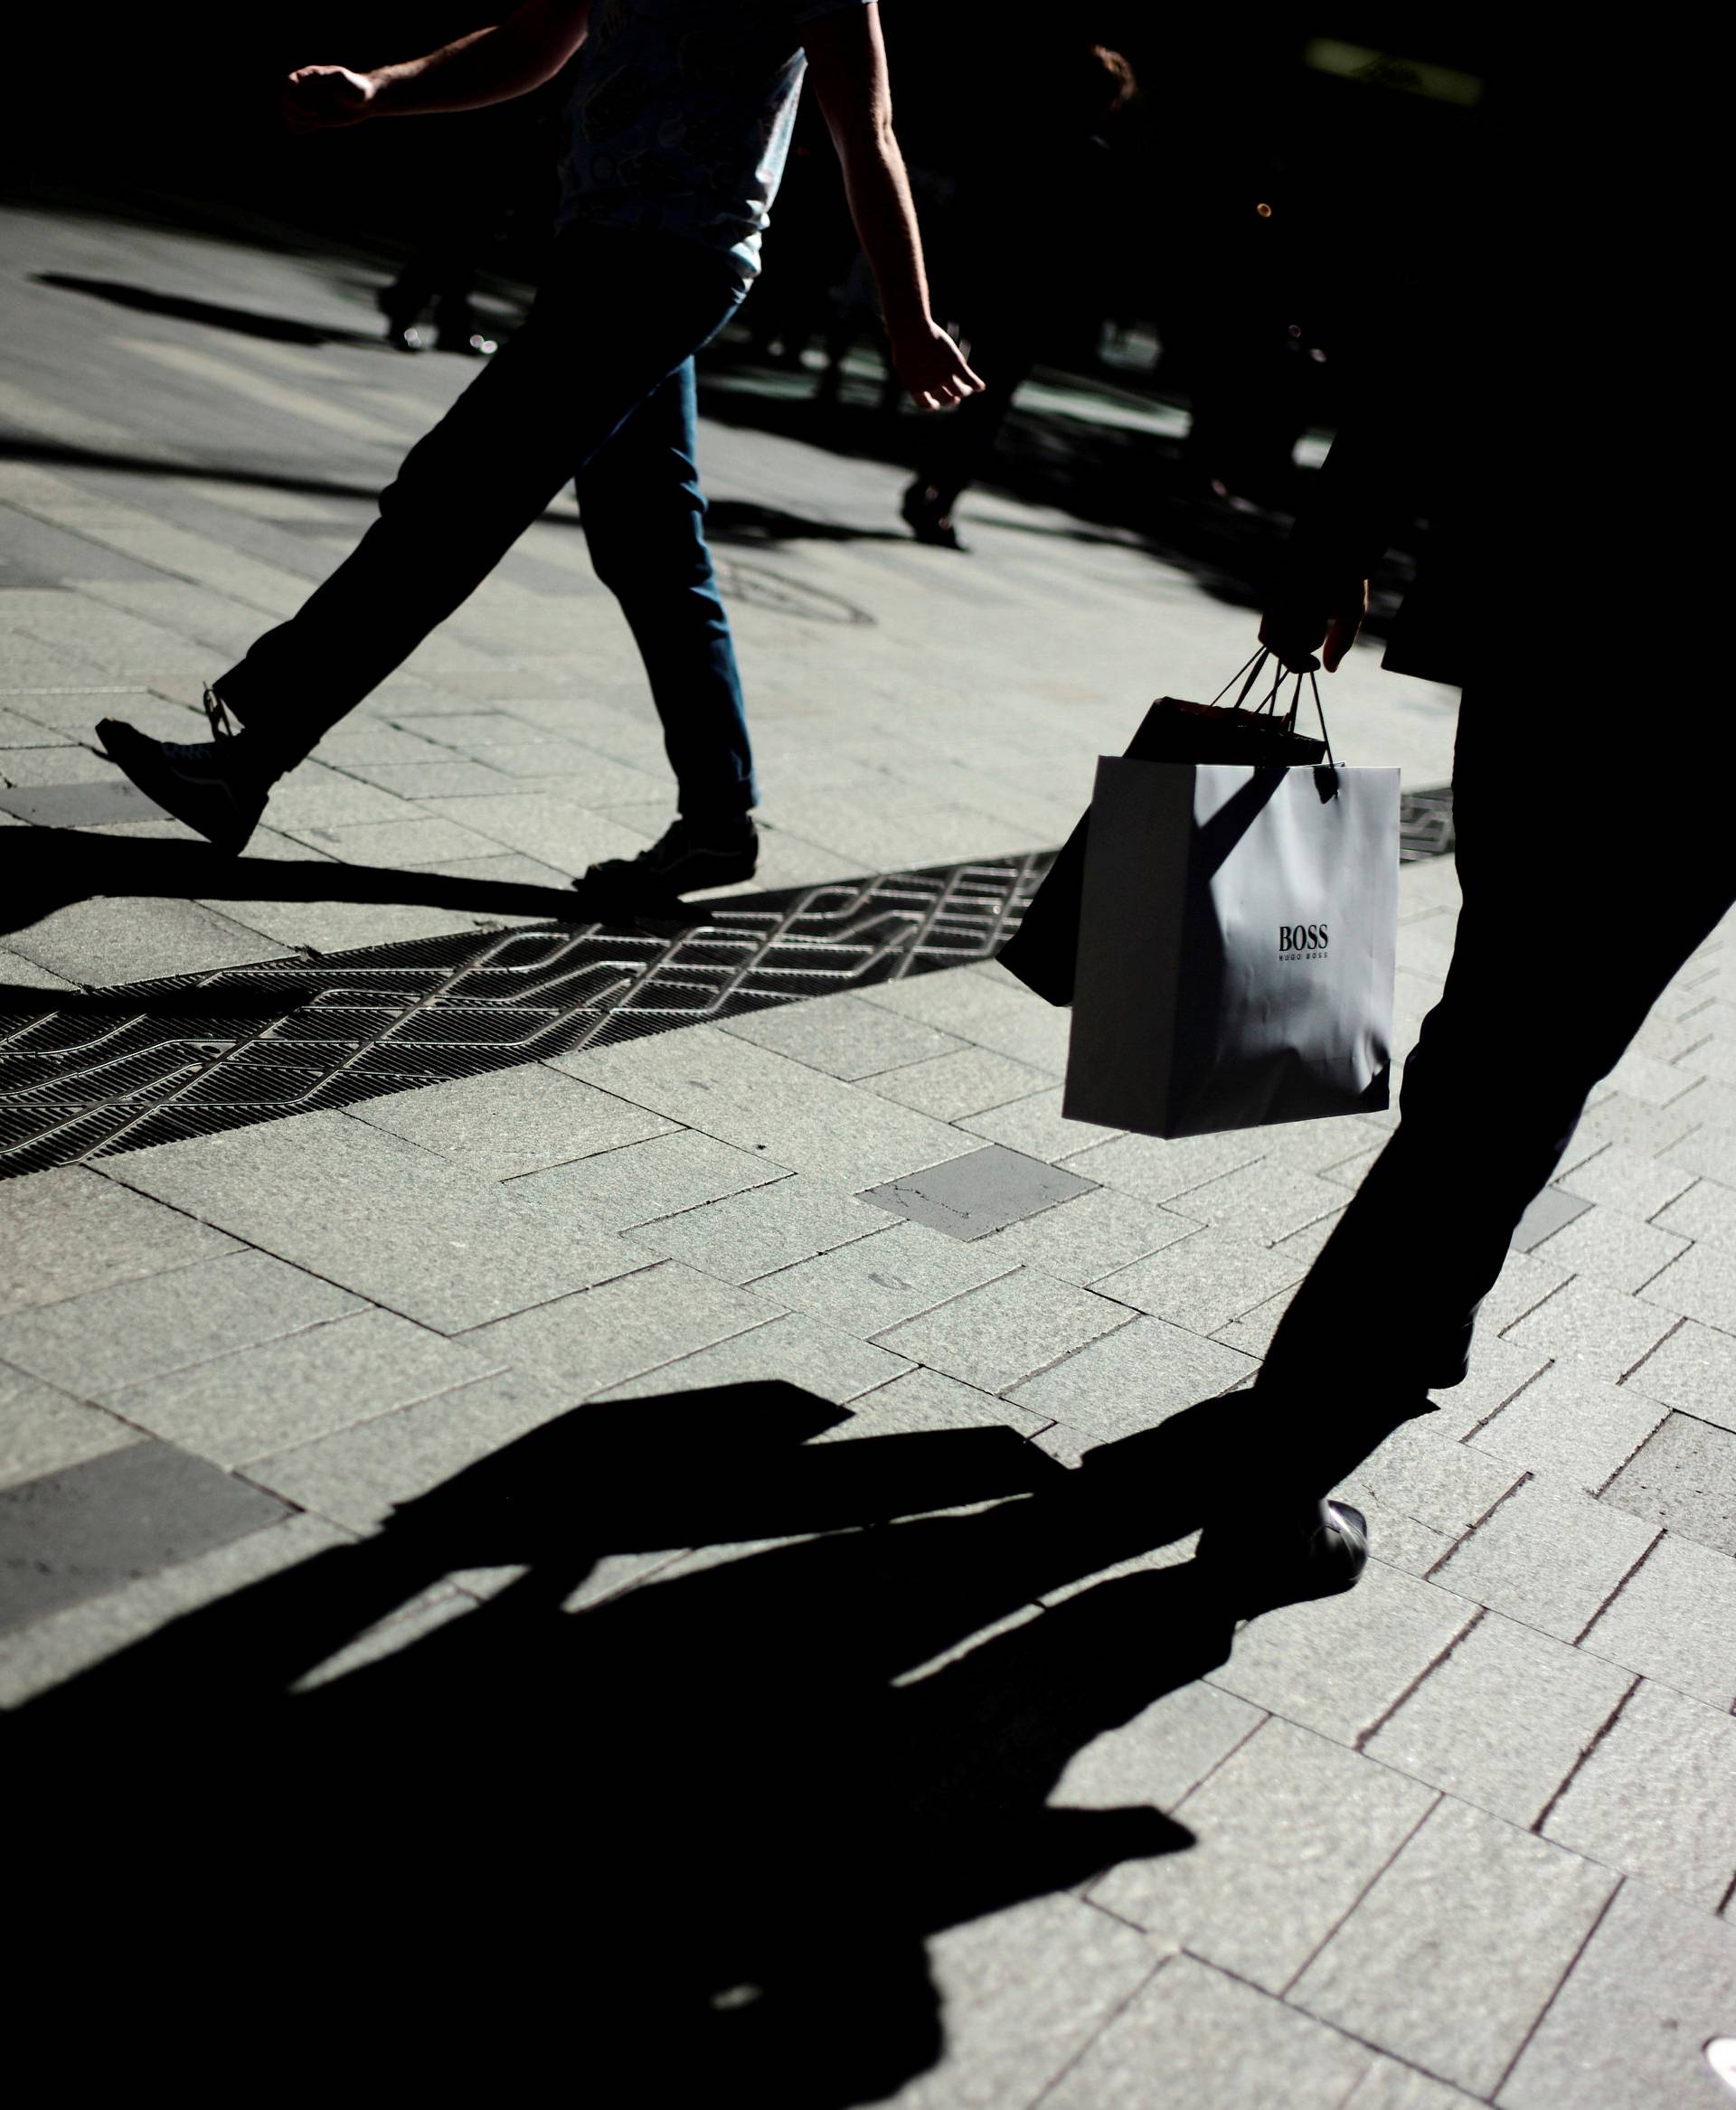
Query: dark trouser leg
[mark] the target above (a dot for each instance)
(644, 520)
(964, 439)
(618, 316)
(1547, 986)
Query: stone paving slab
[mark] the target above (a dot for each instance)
(1572, 1424)
(1292, 1829)
(43, 1431)
(256, 1400)
(87, 1530)
(1553, 1702)
(867, 1285)
(1650, 1987)
(1088, 1240)
(1032, 1988)
(1457, 1947)
(379, 1215)
(1683, 1477)
(997, 1336)
(1204, 1281)
(1340, 1666)
(68, 1231)
(638, 1183)
(38, 1657)
(95, 1345)
(631, 1324)
(1589, 1549)
(514, 1121)
(1132, 1378)
(1673, 1619)
(1630, 1808)
(755, 1098)
(1197, 2030)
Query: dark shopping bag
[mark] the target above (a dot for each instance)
(1238, 932)
(1043, 951)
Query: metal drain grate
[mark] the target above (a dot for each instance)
(161, 1062)
(1426, 823)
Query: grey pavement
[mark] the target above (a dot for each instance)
(1462, 1836)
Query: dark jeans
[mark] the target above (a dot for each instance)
(1589, 872)
(597, 386)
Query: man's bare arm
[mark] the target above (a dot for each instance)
(518, 54)
(846, 61)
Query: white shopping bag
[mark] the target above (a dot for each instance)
(1236, 945)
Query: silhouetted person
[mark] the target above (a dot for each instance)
(441, 274)
(681, 117)
(1593, 835)
(1031, 246)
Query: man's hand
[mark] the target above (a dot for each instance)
(317, 98)
(1296, 627)
(932, 368)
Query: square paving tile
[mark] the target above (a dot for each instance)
(984, 1191)
(112, 1519)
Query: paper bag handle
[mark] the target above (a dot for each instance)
(1249, 674)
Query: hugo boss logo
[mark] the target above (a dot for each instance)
(1301, 941)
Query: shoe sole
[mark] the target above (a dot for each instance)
(140, 759)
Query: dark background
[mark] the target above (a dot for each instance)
(180, 102)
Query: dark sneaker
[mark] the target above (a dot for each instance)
(203, 783)
(1261, 1557)
(692, 855)
(929, 518)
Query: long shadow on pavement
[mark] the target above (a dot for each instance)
(209, 313)
(56, 867)
(695, 1833)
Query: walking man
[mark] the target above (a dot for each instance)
(1481, 414)
(680, 123)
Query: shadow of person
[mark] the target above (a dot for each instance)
(213, 315)
(51, 868)
(698, 1830)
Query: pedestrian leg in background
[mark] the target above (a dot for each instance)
(618, 315)
(644, 515)
(961, 443)
(1545, 990)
